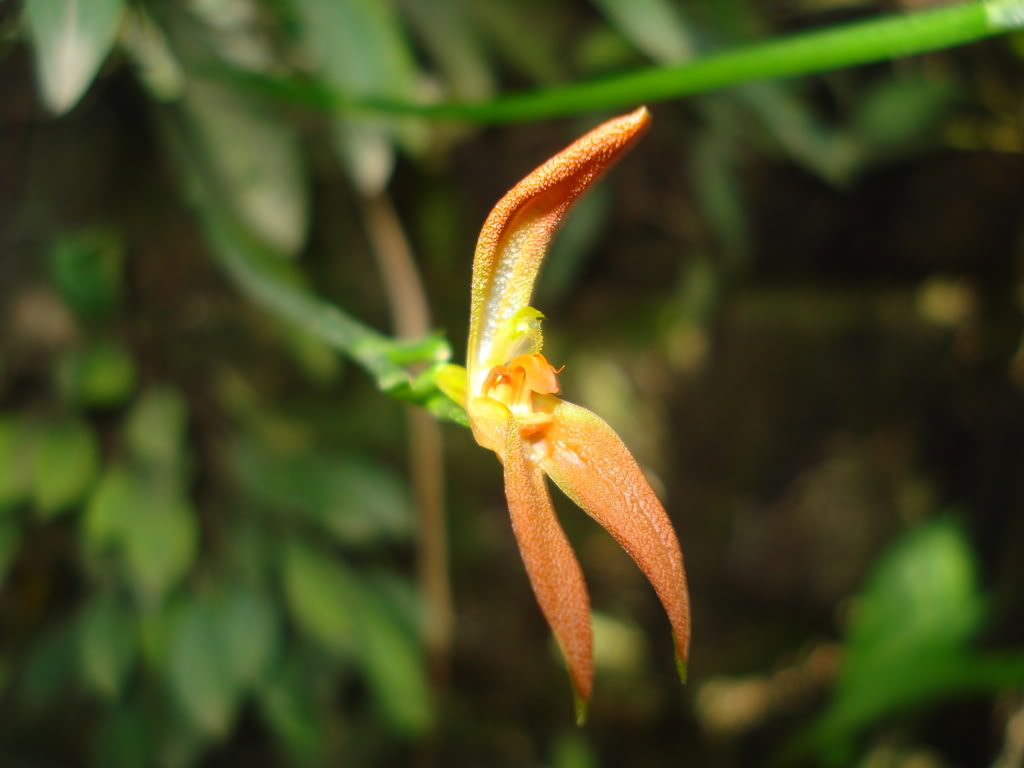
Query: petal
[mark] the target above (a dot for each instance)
(589, 462)
(489, 421)
(550, 563)
(517, 231)
(541, 376)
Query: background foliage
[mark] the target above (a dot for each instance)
(798, 301)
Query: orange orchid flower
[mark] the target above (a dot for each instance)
(508, 389)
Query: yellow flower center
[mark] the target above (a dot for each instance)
(515, 384)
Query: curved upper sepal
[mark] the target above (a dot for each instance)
(552, 566)
(517, 231)
(588, 461)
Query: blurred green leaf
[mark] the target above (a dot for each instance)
(157, 67)
(318, 361)
(907, 642)
(10, 537)
(793, 125)
(356, 501)
(180, 742)
(101, 374)
(350, 616)
(70, 39)
(603, 51)
(360, 48)
(124, 739)
(401, 597)
(64, 465)
(255, 161)
(276, 284)
(250, 634)
(354, 617)
(86, 268)
(572, 751)
(394, 664)
(200, 671)
(288, 707)
(322, 597)
(518, 33)
(221, 646)
(157, 625)
(253, 552)
(51, 666)
(148, 523)
(107, 644)
(716, 182)
(654, 26)
(155, 432)
(448, 36)
(160, 543)
(923, 595)
(16, 449)
(900, 110)
(112, 507)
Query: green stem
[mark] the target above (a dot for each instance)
(363, 345)
(273, 282)
(803, 54)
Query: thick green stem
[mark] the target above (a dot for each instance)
(808, 53)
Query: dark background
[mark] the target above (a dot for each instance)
(799, 303)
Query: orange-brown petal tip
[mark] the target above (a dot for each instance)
(550, 562)
(589, 462)
(640, 116)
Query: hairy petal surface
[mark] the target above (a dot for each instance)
(517, 231)
(589, 462)
(550, 563)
